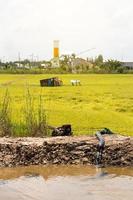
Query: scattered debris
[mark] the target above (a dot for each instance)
(64, 130)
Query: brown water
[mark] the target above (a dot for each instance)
(66, 183)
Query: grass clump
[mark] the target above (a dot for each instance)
(35, 116)
(5, 115)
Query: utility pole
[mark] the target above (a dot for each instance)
(32, 59)
(19, 58)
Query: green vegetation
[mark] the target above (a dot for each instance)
(68, 64)
(100, 101)
(5, 117)
(32, 117)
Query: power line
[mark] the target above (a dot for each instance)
(85, 51)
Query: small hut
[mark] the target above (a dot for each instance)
(55, 81)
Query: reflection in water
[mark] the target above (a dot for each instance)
(100, 172)
(66, 183)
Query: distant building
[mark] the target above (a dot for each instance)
(81, 63)
(22, 65)
(19, 65)
(128, 65)
(45, 65)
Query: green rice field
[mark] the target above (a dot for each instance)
(100, 101)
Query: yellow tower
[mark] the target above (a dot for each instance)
(56, 48)
(55, 60)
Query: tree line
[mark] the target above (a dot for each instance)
(68, 64)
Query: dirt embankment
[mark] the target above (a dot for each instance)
(65, 150)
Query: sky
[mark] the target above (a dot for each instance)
(28, 27)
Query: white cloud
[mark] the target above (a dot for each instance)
(30, 26)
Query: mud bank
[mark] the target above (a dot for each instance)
(65, 150)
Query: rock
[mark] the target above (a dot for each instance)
(44, 162)
(79, 153)
(65, 158)
(85, 160)
(56, 161)
(76, 162)
(83, 148)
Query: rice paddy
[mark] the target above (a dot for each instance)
(100, 101)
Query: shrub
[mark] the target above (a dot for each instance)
(5, 115)
(35, 116)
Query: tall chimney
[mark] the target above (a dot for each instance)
(56, 49)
